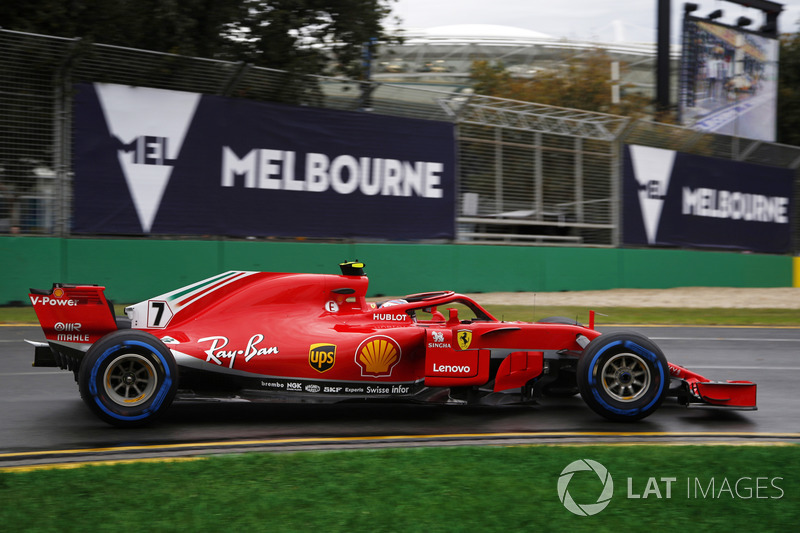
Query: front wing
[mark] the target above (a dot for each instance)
(698, 391)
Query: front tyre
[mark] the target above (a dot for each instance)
(128, 378)
(623, 376)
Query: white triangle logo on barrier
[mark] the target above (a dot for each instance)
(150, 126)
(652, 168)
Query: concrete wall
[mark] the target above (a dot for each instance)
(133, 270)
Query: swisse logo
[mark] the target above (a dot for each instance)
(452, 369)
(586, 509)
(46, 300)
(61, 326)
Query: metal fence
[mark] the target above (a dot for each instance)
(527, 174)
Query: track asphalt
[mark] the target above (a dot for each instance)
(44, 421)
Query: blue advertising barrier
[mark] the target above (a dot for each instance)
(677, 199)
(153, 161)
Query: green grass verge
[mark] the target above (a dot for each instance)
(613, 315)
(715, 488)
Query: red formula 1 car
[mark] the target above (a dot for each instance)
(315, 338)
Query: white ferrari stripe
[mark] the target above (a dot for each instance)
(205, 291)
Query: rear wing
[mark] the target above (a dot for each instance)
(73, 315)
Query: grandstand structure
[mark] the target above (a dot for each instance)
(444, 55)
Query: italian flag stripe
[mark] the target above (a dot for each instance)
(219, 284)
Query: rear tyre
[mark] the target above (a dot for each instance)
(128, 378)
(623, 376)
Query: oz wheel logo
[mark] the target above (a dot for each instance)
(587, 509)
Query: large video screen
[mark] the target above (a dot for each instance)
(729, 80)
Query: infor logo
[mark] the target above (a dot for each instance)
(587, 509)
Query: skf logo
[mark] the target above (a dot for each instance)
(377, 356)
(321, 357)
(464, 339)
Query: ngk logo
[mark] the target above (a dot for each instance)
(70, 326)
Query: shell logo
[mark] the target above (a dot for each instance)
(377, 356)
(58, 293)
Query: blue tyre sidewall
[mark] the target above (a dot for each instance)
(92, 384)
(592, 389)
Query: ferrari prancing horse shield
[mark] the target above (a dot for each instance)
(464, 339)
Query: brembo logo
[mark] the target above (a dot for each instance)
(146, 156)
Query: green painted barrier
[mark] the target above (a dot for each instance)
(133, 270)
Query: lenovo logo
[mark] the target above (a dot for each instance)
(452, 369)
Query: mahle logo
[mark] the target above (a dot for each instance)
(586, 509)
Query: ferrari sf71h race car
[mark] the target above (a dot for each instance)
(264, 336)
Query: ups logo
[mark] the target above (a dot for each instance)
(321, 357)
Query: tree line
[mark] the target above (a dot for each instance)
(329, 36)
(279, 34)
